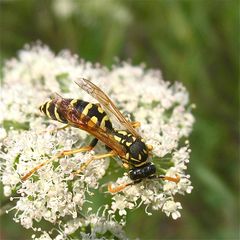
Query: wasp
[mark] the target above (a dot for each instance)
(93, 118)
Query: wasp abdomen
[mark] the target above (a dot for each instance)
(94, 111)
(55, 110)
(50, 109)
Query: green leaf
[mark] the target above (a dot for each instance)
(63, 80)
(11, 124)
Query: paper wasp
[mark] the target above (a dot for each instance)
(126, 143)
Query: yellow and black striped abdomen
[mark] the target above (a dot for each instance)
(50, 109)
(94, 111)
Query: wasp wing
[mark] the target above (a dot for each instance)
(106, 102)
(79, 120)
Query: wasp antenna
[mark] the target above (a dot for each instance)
(171, 179)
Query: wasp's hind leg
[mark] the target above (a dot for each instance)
(60, 155)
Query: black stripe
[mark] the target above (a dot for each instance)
(94, 142)
(80, 105)
(63, 120)
(51, 109)
(44, 108)
(93, 112)
(108, 125)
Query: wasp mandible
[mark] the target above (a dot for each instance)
(125, 143)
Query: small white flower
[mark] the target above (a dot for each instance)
(44, 236)
(3, 133)
(171, 207)
(120, 204)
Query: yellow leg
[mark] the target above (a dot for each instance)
(149, 147)
(93, 158)
(136, 124)
(58, 155)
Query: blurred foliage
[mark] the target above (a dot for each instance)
(195, 42)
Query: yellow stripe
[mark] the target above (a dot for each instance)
(73, 101)
(102, 125)
(123, 132)
(87, 108)
(117, 138)
(41, 108)
(128, 143)
(140, 164)
(57, 115)
(136, 160)
(94, 119)
(47, 106)
(100, 110)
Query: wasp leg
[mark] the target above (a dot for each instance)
(93, 158)
(136, 124)
(60, 155)
(122, 186)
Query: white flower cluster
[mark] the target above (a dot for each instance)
(53, 193)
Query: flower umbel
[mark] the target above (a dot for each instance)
(53, 193)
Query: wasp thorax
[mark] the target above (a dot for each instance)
(138, 150)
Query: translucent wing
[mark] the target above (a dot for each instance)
(106, 102)
(79, 120)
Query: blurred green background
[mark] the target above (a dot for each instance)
(195, 42)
